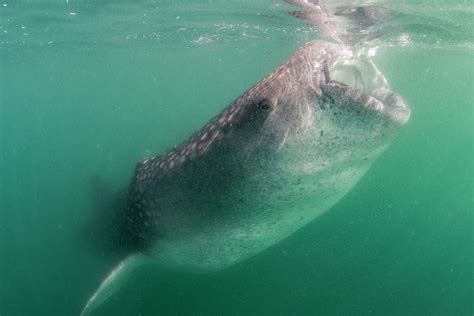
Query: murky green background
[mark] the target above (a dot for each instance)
(88, 87)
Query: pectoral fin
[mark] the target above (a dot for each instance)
(114, 281)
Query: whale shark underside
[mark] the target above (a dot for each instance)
(277, 157)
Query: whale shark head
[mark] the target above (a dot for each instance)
(321, 80)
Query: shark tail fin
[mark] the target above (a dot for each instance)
(114, 281)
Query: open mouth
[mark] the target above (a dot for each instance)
(358, 80)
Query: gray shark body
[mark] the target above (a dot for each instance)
(280, 155)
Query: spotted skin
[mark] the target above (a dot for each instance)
(221, 144)
(215, 159)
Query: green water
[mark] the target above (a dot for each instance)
(89, 87)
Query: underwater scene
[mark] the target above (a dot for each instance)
(236, 157)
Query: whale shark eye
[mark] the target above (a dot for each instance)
(264, 104)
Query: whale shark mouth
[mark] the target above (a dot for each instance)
(358, 80)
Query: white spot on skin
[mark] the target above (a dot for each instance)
(215, 135)
(202, 147)
(212, 127)
(230, 117)
(170, 159)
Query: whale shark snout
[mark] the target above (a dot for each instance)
(358, 78)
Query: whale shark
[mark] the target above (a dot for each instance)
(283, 153)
